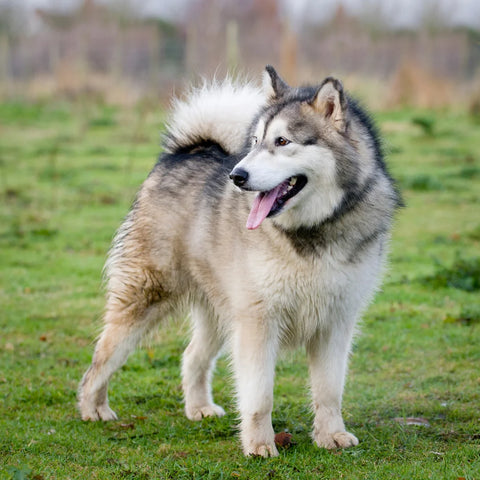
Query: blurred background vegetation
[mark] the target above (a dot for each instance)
(392, 53)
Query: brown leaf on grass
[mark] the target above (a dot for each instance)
(283, 440)
(180, 454)
(127, 426)
(422, 422)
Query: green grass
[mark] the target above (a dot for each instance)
(68, 173)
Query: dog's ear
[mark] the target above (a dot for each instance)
(331, 102)
(273, 86)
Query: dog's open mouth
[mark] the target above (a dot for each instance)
(267, 204)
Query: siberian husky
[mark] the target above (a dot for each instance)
(268, 217)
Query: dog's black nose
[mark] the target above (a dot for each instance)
(239, 176)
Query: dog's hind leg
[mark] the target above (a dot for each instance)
(121, 334)
(198, 365)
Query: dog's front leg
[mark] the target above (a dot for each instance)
(328, 355)
(254, 355)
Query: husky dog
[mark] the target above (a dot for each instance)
(268, 216)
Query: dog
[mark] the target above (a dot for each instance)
(268, 216)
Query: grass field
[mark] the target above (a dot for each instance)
(68, 173)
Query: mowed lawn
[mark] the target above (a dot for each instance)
(68, 173)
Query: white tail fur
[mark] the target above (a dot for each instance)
(217, 112)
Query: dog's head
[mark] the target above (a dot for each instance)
(302, 153)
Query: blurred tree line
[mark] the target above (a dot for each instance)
(114, 52)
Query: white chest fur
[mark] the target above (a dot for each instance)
(305, 295)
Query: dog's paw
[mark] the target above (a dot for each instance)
(197, 413)
(336, 440)
(99, 412)
(262, 450)
(106, 413)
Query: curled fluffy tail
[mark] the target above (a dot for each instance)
(219, 112)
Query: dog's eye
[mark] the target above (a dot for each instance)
(254, 140)
(281, 142)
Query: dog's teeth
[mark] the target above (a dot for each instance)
(293, 181)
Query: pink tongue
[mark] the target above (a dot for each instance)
(261, 207)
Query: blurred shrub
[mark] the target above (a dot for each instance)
(421, 183)
(426, 123)
(464, 274)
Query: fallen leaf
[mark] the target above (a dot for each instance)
(181, 455)
(283, 439)
(139, 417)
(127, 426)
